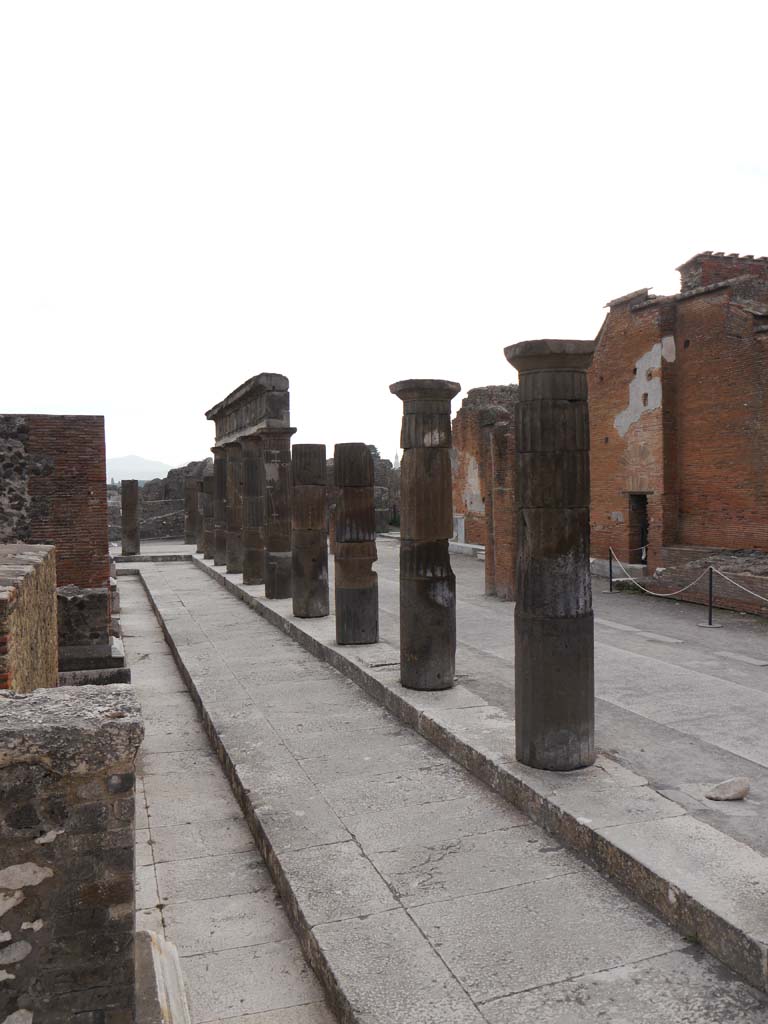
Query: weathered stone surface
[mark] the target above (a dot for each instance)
(253, 510)
(130, 517)
(67, 852)
(207, 514)
(309, 540)
(28, 634)
(427, 584)
(356, 585)
(190, 511)
(736, 788)
(276, 448)
(219, 505)
(234, 542)
(554, 631)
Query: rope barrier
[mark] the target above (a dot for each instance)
(735, 584)
(655, 593)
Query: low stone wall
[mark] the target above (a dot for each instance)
(28, 633)
(747, 569)
(67, 854)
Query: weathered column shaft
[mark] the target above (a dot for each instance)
(199, 523)
(209, 535)
(219, 505)
(253, 510)
(356, 585)
(234, 508)
(427, 582)
(309, 536)
(554, 635)
(276, 446)
(190, 510)
(129, 494)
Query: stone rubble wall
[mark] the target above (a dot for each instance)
(28, 627)
(67, 854)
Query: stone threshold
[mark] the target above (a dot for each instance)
(711, 888)
(168, 557)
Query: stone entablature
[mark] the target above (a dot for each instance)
(262, 401)
(67, 853)
(29, 650)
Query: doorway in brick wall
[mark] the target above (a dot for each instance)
(638, 528)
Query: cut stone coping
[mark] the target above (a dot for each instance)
(168, 557)
(70, 730)
(707, 885)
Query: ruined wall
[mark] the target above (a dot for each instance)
(66, 853)
(471, 455)
(28, 633)
(501, 513)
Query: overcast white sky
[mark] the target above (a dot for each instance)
(350, 194)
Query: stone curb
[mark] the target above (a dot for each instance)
(709, 887)
(153, 558)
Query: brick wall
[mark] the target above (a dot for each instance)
(501, 514)
(28, 631)
(67, 854)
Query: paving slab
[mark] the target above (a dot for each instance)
(226, 922)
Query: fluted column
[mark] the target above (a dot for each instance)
(356, 585)
(129, 521)
(309, 535)
(554, 631)
(276, 447)
(427, 582)
(234, 507)
(208, 530)
(219, 505)
(253, 510)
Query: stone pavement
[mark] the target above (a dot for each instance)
(418, 894)
(200, 880)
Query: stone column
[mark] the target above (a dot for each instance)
(190, 510)
(199, 524)
(427, 583)
(276, 446)
(253, 509)
(554, 641)
(309, 535)
(209, 535)
(219, 505)
(356, 585)
(130, 517)
(234, 507)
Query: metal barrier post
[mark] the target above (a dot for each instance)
(709, 624)
(610, 570)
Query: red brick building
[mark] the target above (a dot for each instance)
(678, 404)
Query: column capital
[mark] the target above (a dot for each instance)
(550, 354)
(429, 388)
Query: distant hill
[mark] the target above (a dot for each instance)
(133, 467)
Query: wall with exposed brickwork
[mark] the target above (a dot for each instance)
(28, 630)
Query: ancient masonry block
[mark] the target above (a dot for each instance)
(29, 650)
(190, 510)
(356, 585)
(309, 535)
(554, 629)
(427, 583)
(129, 494)
(67, 854)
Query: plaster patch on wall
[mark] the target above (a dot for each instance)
(15, 953)
(9, 900)
(473, 499)
(34, 925)
(668, 348)
(5, 976)
(644, 394)
(17, 876)
(19, 1017)
(6, 936)
(49, 836)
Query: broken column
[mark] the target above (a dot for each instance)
(427, 583)
(219, 505)
(276, 449)
(67, 762)
(129, 491)
(207, 499)
(253, 509)
(356, 585)
(554, 633)
(309, 536)
(234, 512)
(190, 510)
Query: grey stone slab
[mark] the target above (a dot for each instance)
(501, 942)
(226, 922)
(173, 762)
(179, 797)
(296, 695)
(225, 874)
(201, 839)
(353, 798)
(143, 848)
(309, 1013)
(390, 974)
(335, 881)
(448, 868)
(146, 887)
(252, 979)
(295, 817)
(142, 819)
(434, 823)
(150, 920)
(682, 987)
(389, 749)
(309, 733)
(167, 736)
